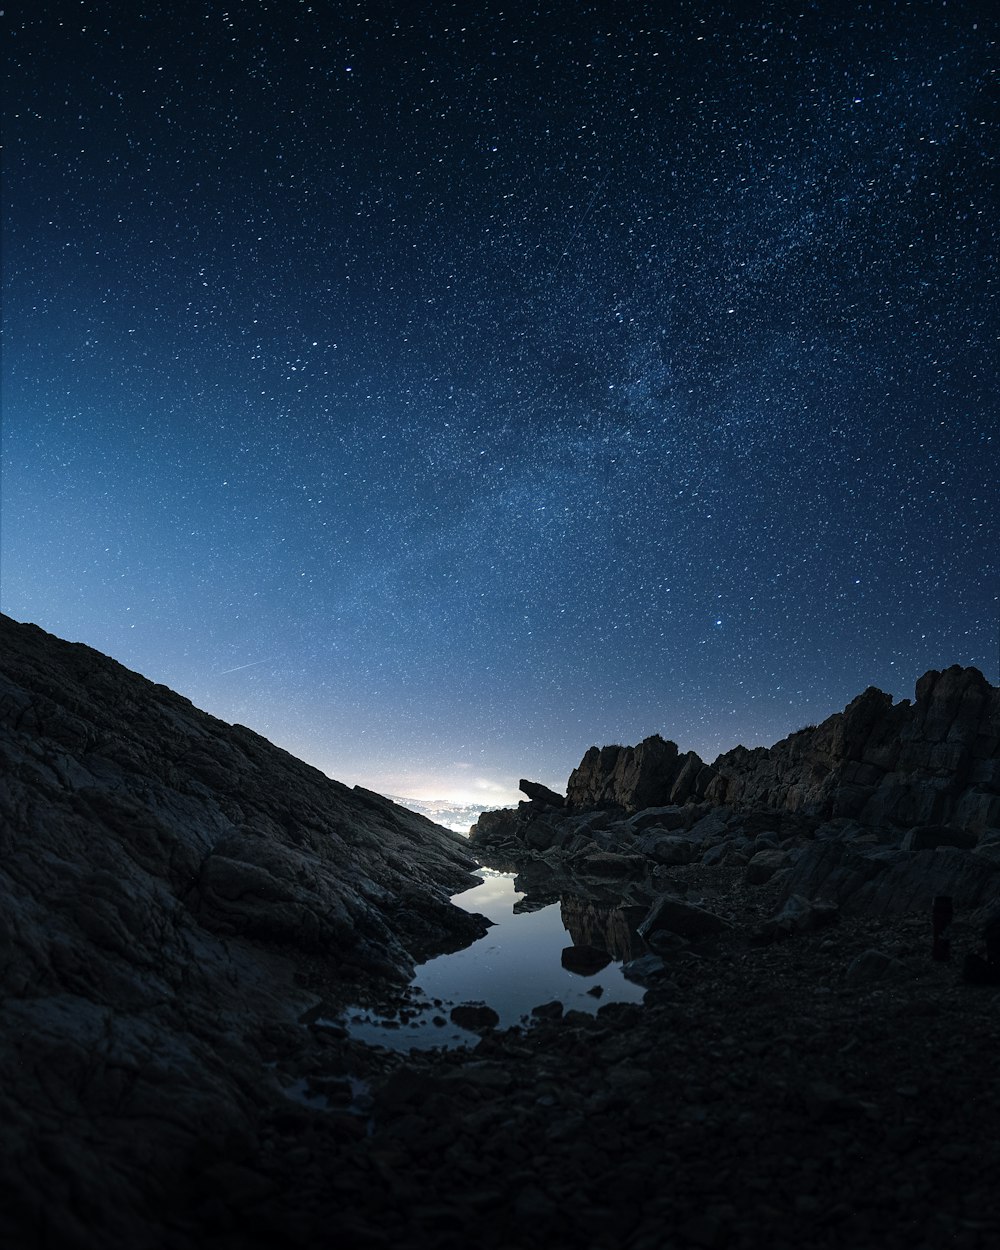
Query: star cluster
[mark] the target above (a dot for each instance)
(442, 391)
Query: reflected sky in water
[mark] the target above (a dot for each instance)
(514, 967)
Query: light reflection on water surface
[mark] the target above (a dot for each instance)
(514, 967)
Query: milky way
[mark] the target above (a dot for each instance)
(440, 392)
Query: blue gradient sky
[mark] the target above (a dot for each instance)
(441, 393)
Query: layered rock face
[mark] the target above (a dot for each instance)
(176, 891)
(933, 761)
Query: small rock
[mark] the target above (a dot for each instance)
(548, 1011)
(585, 961)
(644, 969)
(475, 1016)
(871, 966)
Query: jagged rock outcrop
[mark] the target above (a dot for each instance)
(631, 778)
(176, 892)
(935, 761)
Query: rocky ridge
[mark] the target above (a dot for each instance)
(176, 891)
(878, 809)
(933, 761)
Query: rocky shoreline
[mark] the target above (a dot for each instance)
(187, 909)
(835, 1089)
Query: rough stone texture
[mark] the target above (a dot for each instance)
(935, 761)
(631, 777)
(867, 879)
(176, 892)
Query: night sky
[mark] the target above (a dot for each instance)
(440, 389)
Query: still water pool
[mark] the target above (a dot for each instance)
(517, 965)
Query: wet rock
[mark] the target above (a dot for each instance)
(539, 835)
(548, 1011)
(585, 961)
(645, 969)
(474, 1016)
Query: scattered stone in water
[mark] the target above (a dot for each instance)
(596, 991)
(474, 1016)
(548, 1011)
(585, 961)
(439, 1021)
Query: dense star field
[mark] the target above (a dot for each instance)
(441, 389)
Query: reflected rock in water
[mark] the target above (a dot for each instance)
(534, 902)
(585, 961)
(609, 928)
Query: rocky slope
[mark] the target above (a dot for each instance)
(176, 893)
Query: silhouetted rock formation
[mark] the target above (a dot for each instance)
(634, 777)
(537, 793)
(878, 809)
(933, 761)
(176, 892)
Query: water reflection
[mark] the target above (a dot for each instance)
(521, 963)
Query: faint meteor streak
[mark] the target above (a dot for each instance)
(239, 667)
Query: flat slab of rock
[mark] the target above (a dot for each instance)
(474, 1016)
(538, 793)
(685, 919)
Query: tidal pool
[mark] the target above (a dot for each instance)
(516, 966)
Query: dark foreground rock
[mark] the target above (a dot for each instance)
(184, 907)
(832, 1090)
(176, 892)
